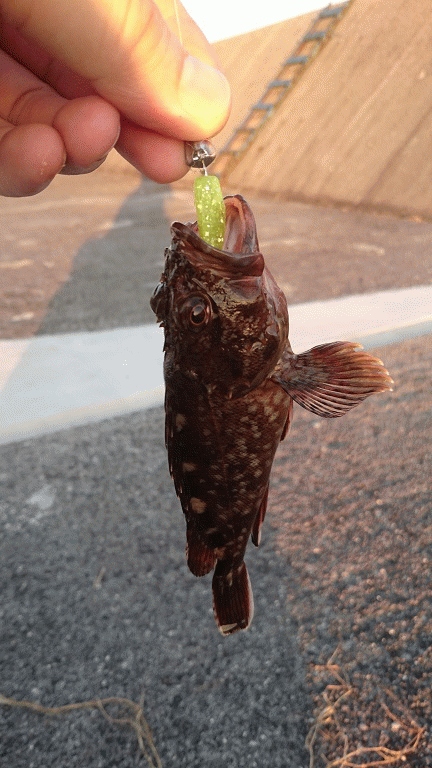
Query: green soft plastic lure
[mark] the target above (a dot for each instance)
(210, 209)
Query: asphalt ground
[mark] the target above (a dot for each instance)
(97, 599)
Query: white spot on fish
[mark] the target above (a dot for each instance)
(23, 316)
(226, 629)
(180, 421)
(197, 505)
(219, 552)
(188, 466)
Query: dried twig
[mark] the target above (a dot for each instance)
(136, 720)
(386, 756)
(328, 718)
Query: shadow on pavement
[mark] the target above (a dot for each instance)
(114, 275)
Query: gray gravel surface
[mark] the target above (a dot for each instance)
(101, 497)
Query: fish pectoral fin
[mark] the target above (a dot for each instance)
(232, 598)
(200, 558)
(256, 530)
(330, 379)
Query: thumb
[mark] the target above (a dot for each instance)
(128, 51)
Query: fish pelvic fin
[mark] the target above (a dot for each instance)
(330, 379)
(232, 598)
(200, 558)
(256, 530)
(288, 421)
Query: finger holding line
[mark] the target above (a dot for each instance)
(87, 70)
(58, 134)
(129, 54)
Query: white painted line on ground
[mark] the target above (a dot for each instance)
(358, 316)
(74, 378)
(48, 383)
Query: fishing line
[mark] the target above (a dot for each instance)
(177, 15)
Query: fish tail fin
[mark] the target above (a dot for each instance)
(232, 598)
(200, 558)
(330, 379)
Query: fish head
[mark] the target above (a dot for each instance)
(225, 318)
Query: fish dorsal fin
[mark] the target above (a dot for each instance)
(331, 379)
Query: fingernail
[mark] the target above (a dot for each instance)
(204, 95)
(71, 169)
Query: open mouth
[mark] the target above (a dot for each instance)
(240, 255)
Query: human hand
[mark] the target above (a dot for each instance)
(77, 78)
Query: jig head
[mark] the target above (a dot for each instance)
(199, 154)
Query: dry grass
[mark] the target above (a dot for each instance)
(329, 731)
(130, 714)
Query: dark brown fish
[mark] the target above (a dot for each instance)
(231, 378)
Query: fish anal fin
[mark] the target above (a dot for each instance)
(232, 598)
(256, 530)
(200, 558)
(330, 379)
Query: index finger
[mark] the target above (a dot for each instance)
(133, 59)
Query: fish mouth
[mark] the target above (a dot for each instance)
(240, 255)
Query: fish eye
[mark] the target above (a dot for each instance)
(196, 312)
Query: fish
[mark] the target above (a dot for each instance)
(231, 378)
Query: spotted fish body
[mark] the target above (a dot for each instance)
(231, 378)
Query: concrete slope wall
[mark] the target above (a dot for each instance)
(357, 128)
(251, 60)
